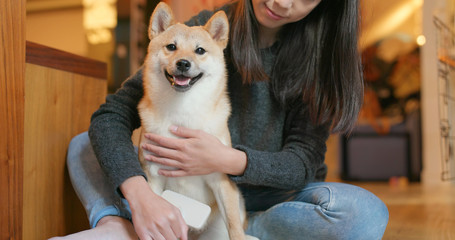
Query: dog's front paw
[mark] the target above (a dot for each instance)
(248, 237)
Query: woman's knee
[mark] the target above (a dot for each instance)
(373, 215)
(360, 202)
(332, 212)
(362, 213)
(81, 161)
(79, 150)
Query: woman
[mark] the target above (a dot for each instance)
(294, 76)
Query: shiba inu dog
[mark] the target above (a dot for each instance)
(185, 85)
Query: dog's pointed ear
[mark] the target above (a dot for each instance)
(218, 28)
(162, 18)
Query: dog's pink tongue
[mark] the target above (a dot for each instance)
(182, 81)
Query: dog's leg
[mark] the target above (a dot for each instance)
(216, 227)
(157, 183)
(228, 201)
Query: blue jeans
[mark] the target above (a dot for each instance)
(319, 211)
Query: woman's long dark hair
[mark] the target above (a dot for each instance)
(317, 61)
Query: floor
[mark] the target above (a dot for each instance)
(416, 211)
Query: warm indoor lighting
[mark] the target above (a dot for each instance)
(100, 16)
(388, 22)
(421, 40)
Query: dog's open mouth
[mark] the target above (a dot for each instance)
(182, 83)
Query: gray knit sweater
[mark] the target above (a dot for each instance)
(285, 150)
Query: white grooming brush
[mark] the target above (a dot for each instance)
(194, 212)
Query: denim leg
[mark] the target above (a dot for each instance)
(90, 183)
(323, 211)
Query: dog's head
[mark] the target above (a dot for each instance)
(184, 55)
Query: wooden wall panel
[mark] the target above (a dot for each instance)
(58, 106)
(12, 68)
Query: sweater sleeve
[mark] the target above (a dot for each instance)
(300, 161)
(111, 130)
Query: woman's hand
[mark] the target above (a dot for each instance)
(153, 217)
(194, 153)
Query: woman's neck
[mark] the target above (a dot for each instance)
(267, 36)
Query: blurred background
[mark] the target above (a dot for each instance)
(403, 146)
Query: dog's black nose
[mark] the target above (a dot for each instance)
(183, 65)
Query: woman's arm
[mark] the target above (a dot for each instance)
(111, 129)
(300, 161)
(194, 152)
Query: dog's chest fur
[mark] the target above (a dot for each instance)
(194, 110)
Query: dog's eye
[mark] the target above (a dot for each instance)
(200, 51)
(171, 47)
